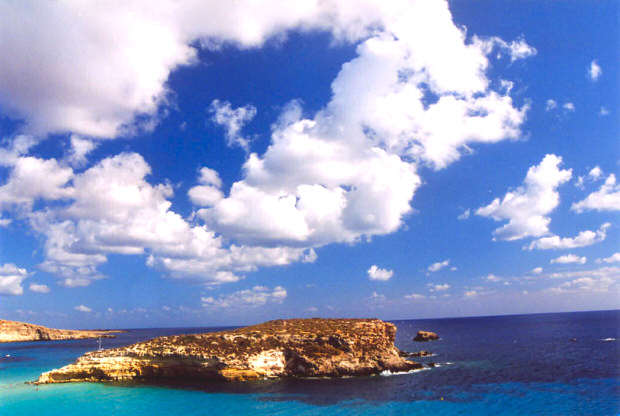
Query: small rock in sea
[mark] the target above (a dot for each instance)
(573, 339)
(415, 354)
(431, 365)
(423, 336)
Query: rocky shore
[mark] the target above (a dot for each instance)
(275, 349)
(12, 331)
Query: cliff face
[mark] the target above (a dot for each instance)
(283, 348)
(11, 331)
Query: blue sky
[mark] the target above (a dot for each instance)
(200, 164)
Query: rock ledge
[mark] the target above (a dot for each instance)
(275, 349)
(12, 331)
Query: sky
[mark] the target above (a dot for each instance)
(224, 163)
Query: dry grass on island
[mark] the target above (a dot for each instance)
(275, 349)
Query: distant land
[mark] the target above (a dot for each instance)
(275, 349)
(12, 331)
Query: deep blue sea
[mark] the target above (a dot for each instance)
(508, 365)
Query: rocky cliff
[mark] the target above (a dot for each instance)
(11, 331)
(282, 348)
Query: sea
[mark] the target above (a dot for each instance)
(543, 364)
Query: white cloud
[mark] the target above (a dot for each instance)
(594, 71)
(80, 148)
(493, 278)
(32, 179)
(83, 308)
(208, 193)
(595, 173)
(519, 49)
(375, 273)
(11, 278)
(614, 258)
(526, 207)
(438, 288)
(583, 239)
(35, 287)
(551, 105)
(569, 107)
(344, 174)
(605, 199)
(465, 215)
(537, 270)
(415, 296)
(377, 297)
(475, 293)
(604, 111)
(122, 87)
(570, 258)
(253, 298)
(233, 120)
(435, 267)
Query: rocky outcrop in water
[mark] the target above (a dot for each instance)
(275, 349)
(415, 354)
(12, 331)
(423, 336)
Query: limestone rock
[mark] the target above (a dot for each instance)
(282, 348)
(423, 336)
(12, 331)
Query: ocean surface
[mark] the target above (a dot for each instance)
(508, 365)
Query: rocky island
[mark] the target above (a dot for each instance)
(275, 349)
(12, 331)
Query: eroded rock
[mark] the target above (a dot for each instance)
(12, 331)
(282, 348)
(423, 336)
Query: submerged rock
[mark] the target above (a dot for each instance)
(12, 331)
(423, 336)
(275, 349)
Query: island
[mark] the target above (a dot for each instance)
(275, 349)
(13, 331)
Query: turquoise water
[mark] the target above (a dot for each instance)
(524, 365)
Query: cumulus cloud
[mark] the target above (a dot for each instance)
(519, 49)
(595, 173)
(605, 199)
(438, 288)
(569, 107)
(526, 207)
(83, 308)
(375, 273)
(569, 258)
(344, 174)
(493, 278)
(377, 297)
(252, 298)
(108, 94)
(594, 71)
(36, 287)
(435, 267)
(614, 258)
(415, 296)
(583, 239)
(80, 148)
(233, 120)
(208, 193)
(605, 279)
(11, 278)
(551, 105)
(32, 179)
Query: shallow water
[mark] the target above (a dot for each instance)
(511, 365)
